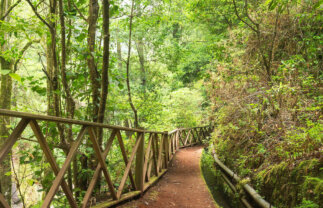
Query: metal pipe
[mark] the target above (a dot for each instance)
(247, 188)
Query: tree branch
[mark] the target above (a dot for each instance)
(240, 18)
(18, 183)
(59, 146)
(271, 51)
(79, 11)
(43, 69)
(248, 16)
(24, 49)
(128, 66)
(38, 15)
(10, 9)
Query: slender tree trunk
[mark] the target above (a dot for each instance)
(52, 45)
(5, 103)
(136, 124)
(119, 51)
(69, 99)
(126, 121)
(70, 103)
(94, 79)
(51, 60)
(52, 68)
(141, 55)
(105, 66)
(94, 76)
(49, 69)
(140, 50)
(75, 166)
(55, 72)
(6, 100)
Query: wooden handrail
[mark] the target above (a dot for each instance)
(151, 156)
(55, 119)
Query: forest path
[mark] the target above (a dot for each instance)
(182, 186)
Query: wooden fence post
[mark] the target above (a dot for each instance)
(166, 149)
(139, 171)
(173, 144)
(177, 140)
(169, 144)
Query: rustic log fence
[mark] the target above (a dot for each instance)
(147, 162)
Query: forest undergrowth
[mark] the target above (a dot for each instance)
(266, 96)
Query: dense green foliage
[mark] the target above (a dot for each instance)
(266, 94)
(253, 68)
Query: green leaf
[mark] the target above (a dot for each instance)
(15, 76)
(5, 71)
(30, 182)
(114, 10)
(272, 5)
(40, 90)
(81, 37)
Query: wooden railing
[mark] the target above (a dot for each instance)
(145, 163)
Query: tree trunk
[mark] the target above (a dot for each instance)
(140, 50)
(94, 79)
(127, 123)
(105, 67)
(69, 99)
(94, 76)
(53, 98)
(70, 103)
(50, 70)
(119, 51)
(136, 124)
(5, 103)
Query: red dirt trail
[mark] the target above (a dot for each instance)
(182, 186)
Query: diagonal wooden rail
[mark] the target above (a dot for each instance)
(147, 162)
